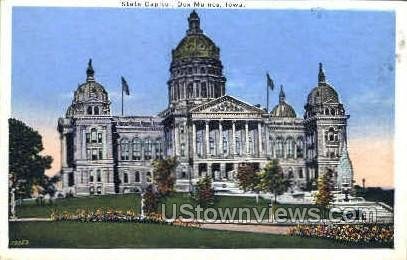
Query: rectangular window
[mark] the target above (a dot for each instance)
(94, 154)
(100, 154)
(87, 138)
(100, 138)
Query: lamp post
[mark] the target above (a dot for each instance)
(13, 203)
(142, 205)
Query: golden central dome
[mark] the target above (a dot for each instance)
(195, 44)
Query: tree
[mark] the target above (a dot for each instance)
(272, 179)
(150, 200)
(164, 175)
(247, 177)
(325, 186)
(26, 165)
(204, 195)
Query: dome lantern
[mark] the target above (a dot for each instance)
(321, 74)
(194, 24)
(90, 73)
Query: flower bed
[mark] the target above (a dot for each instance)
(107, 215)
(348, 233)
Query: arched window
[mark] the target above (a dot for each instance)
(89, 110)
(136, 149)
(300, 147)
(300, 173)
(182, 149)
(326, 111)
(93, 135)
(204, 91)
(98, 176)
(202, 70)
(332, 111)
(137, 177)
(124, 145)
(96, 110)
(290, 147)
(147, 149)
(225, 145)
(280, 148)
(125, 177)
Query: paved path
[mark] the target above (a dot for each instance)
(268, 229)
(29, 219)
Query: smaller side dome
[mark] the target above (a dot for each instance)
(90, 98)
(283, 109)
(323, 93)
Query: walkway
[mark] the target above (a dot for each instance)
(268, 229)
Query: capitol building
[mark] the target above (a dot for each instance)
(208, 131)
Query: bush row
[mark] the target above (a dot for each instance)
(350, 233)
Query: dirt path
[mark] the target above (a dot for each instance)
(269, 229)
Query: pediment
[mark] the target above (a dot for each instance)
(226, 105)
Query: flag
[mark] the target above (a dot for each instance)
(125, 87)
(270, 82)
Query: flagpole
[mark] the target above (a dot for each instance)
(267, 97)
(122, 103)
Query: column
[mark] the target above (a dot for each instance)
(193, 139)
(176, 139)
(222, 171)
(247, 137)
(267, 150)
(63, 151)
(209, 170)
(220, 148)
(259, 138)
(234, 137)
(295, 148)
(207, 137)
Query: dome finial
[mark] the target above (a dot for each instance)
(282, 94)
(194, 23)
(321, 74)
(89, 71)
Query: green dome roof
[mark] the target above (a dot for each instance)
(323, 93)
(195, 44)
(283, 109)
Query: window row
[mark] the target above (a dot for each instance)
(139, 149)
(94, 136)
(93, 110)
(94, 154)
(195, 69)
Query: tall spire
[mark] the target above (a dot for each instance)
(90, 72)
(194, 23)
(321, 74)
(282, 94)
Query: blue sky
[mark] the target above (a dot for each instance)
(51, 47)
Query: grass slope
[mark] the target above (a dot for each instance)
(130, 235)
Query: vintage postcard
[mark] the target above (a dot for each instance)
(201, 125)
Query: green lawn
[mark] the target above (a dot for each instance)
(132, 201)
(130, 235)
(119, 202)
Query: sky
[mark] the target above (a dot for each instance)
(51, 48)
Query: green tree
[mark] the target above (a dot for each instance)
(204, 194)
(26, 165)
(247, 177)
(272, 179)
(325, 186)
(150, 200)
(164, 175)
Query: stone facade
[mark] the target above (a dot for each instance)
(208, 131)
